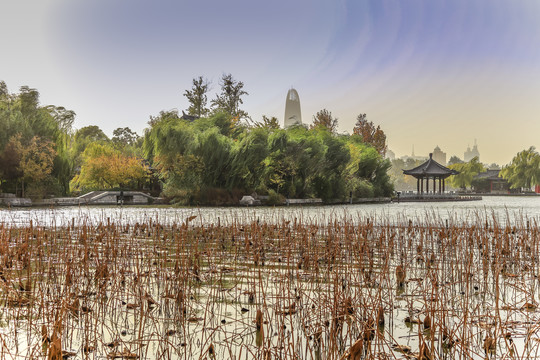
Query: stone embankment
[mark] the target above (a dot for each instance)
(91, 198)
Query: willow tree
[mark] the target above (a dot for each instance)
(467, 172)
(330, 181)
(247, 160)
(524, 170)
(168, 145)
(367, 171)
(22, 116)
(214, 150)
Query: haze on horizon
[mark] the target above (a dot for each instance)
(429, 73)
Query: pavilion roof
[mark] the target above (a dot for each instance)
(490, 175)
(430, 168)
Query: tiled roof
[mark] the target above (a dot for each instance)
(489, 174)
(430, 168)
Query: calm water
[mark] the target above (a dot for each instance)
(504, 209)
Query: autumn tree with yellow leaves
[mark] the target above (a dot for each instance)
(104, 167)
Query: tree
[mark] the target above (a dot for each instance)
(124, 137)
(163, 116)
(524, 170)
(269, 123)
(104, 167)
(329, 182)
(467, 172)
(455, 160)
(367, 171)
(82, 139)
(10, 160)
(324, 119)
(62, 116)
(197, 97)
(21, 115)
(214, 150)
(370, 134)
(230, 98)
(36, 161)
(3, 89)
(247, 160)
(401, 181)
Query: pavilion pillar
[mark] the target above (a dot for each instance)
(434, 185)
(443, 185)
(440, 185)
(427, 185)
(421, 185)
(417, 186)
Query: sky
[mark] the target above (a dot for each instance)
(431, 73)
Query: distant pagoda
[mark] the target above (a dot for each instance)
(430, 170)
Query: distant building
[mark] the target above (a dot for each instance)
(293, 115)
(439, 156)
(390, 154)
(491, 182)
(188, 117)
(470, 154)
(413, 157)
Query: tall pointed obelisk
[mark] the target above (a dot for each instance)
(293, 115)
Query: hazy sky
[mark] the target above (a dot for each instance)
(430, 72)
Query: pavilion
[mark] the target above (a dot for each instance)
(430, 170)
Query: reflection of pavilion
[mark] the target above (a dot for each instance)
(430, 170)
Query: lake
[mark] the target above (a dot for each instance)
(272, 283)
(505, 209)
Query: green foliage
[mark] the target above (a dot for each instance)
(85, 136)
(368, 166)
(247, 159)
(524, 170)
(230, 98)
(123, 137)
(44, 129)
(268, 123)
(330, 182)
(212, 159)
(197, 97)
(274, 198)
(467, 172)
(455, 160)
(214, 150)
(218, 153)
(401, 181)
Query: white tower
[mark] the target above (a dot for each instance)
(293, 115)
